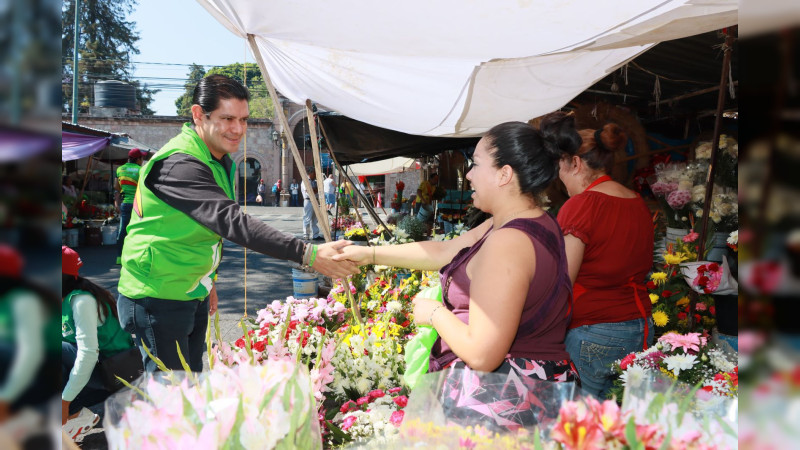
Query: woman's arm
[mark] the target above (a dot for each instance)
(84, 310)
(29, 340)
(574, 248)
(501, 273)
(427, 255)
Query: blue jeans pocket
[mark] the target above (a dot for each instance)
(597, 359)
(125, 308)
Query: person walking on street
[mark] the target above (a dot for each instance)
(276, 190)
(184, 208)
(294, 190)
(310, 227)
(330, 192)
(125, 186)
(261, 190)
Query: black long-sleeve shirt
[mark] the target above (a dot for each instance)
(187, 184)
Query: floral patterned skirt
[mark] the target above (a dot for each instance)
(519, 393)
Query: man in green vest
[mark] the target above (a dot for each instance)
(183, 209)
(127, 179)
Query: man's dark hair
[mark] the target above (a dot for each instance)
(213, 88)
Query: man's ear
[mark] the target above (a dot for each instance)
(197, 113)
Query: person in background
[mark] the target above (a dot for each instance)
(425, 198)
(68, 189)
(184, 209)
(601, 222)
(28, 341)
(261, 190)
(330, 192)
(515, 328)
(310, 227)
(90, 332)
(277, 191)
(294, 190)
(125, 189)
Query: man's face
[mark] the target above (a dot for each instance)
(222, 129)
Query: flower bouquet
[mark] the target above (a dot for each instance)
(672, 186)
(247, 406)
(356, 232)
(689, 358)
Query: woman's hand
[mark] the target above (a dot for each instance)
(357, 254)
(424, 310)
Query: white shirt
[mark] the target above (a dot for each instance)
(328, 185)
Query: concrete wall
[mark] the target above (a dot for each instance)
(156, 131)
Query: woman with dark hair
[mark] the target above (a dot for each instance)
(505, 283)
(90, 332)
(608, 233)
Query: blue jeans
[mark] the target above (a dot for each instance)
(294, 200)
(593, 348)
(330, 199)
(94, 392)
(310, 227)
(161, 323)
(125, 211)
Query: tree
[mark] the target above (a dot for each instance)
(107, 41)
(183, 104)
(261, 105)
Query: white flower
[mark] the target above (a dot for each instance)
(719, 361)
(394, 306)
(733, 238)
(679, 362)
(633, 375)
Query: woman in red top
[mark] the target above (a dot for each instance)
(608, 234)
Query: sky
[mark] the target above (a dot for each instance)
(174, 34)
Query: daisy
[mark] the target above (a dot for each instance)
(676, 363)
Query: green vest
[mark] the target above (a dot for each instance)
(128, 177)
(111, 338)
(167, 254)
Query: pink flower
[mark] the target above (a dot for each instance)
(395, 390)
(401, 401)
(691, 237)
(688, 342)
(348, 422)
(348, 406)
(377, 393)
(397, 418)
(627, 361)
(700, 306)
(466, 443)
(363, 401)
(679, 199)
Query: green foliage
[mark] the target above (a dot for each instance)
(107, 41)
(261, 104)
(414, 227)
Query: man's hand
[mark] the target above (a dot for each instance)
(212, 300)
(326, 265)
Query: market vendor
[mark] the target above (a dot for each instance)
(183, 209)
(125, 187)
(505, 283)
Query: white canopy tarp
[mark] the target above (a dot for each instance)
(391, 165)
(455, 67)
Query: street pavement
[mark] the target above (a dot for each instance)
(266, 279)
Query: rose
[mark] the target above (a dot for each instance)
(401, 401)
(627, 361)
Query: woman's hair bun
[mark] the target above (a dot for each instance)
(559, 128)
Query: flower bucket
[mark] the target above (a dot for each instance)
(304, 283)
(109, 234)
(72, 237)
(719, 247)
(673, 234)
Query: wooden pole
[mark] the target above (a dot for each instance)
(723, 84)
(312, 128)
(285, 125)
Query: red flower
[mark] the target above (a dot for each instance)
(650, 285)
(701, 269)
(363, 401)
(681, 316)
(322, 330)
(697, 317)
(713, 267)
(666, 293)
(627, 361)
(397, 418)
(405, 324)
(712, 310)
(702, 281)
(377, 393)
(260, 346)
(348, 406)
(240, 342)
(395, 390)
(401, 401)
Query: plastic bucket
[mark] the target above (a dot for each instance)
(304, 283)
(72, 237)
(109, 234)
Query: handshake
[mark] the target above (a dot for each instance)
(341, 258)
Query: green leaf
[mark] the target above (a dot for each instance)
(630, 435)
(537, 439)
(248, 345)
(268, 398)
(209, 347)
(160, 364)
(233, 440)
(136, 389)
(190, 413)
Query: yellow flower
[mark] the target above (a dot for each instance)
(653, 298)
(660, 319)
(675, 258)
(682, 301)
(659, 277)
